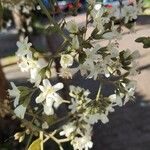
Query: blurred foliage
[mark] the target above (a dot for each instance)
(146, 7)
(1, 14)
(15, 2)
(146, 4)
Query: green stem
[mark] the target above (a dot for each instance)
(99, 91)
(29, 141)
(51, 20)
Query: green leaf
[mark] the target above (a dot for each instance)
(145, 41)
(118, 72)
(94, 32)
(24, 91)
(130, 25)
(140, 39)
(25, 95)
(102, 50)
(35, 145)
(97, 36)
(49, 119)
(23, 88)
(87, 44)
(42, 71)
(82, 57)
(51, 29)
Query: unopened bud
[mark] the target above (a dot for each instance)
(48, 73)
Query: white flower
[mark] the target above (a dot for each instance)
(94, 72)
(28, 63)
(109, 109)
(66, 60)
(95, 64)
(129, 12)
(92, 118)
(72, 26)
(104, 118)
(41, 63)
(98, 18)
(20, 111)
(73, 106)
(48, 110)
(25, 61)
(23, 47)
(97, 6)
(91, 63)
(49, 96)
(92, 54)
(84, 142)
(45, 125)
(14, 93)
(83, 69)
(68, 129)
(74, 90)
(112, 47)
(113, 34)
(114, 98)
(34, 67)
(130, 88)
(38, 7)
(35, 76)
(24, 65)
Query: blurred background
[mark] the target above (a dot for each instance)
(129, 127)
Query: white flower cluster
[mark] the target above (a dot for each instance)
(80, 136)
(99, 20)
(106, 64)
(22, 9)
(19, 109)
(13, 4)
(87, 112)
(28, 62)
(87, 109)
(102, 61)
(130, 13)
(95, 64)
(48, 96)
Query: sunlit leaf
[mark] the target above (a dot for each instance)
(35, 145)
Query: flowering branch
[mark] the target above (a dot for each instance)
(78, 54)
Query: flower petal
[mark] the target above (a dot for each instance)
(58, 86)
(20, 111)
(46, 83)
(40, 98)
(48, 110)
